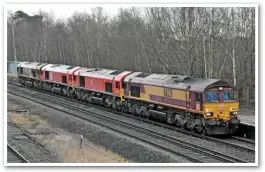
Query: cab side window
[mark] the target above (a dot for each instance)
(21, 70)
(117, 85)
(33, 72)
(46, 75)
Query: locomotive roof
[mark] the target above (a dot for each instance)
(133, 76)
(99, 72)
(83, 70)
(196, 84)
(32, 65)
(96, 72)
(175, 81)
(59, 68)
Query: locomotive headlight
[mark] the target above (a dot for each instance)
(234, 113)
(209, 114)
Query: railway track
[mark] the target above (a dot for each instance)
(250, 141)
(202, 154)
(238, 142)
(13, 156)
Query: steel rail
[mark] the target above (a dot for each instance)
(17, 154)
(242, 139)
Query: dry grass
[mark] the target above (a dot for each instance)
(27, 121)
(71, 152)
(66, 145)
(11, 75)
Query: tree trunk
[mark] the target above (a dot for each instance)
(88, 56)
(98, 45)
(44, 45)
(21, 52)
(26, 42)
(210, 45)
(14, 44)
(204, 59)
(60, 51)
(233, 48)
(147, 59)
(234, 65)
(76, 53)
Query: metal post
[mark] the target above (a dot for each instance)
(81, 141)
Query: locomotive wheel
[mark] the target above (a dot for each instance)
(89, 99)
(136, 114)
(64, 92)
(105, 103)
(183, 127)
(123, 109)
(52, 90)
(192, 129)
(133, 112)
(78, 95)
(203, 132)
(169, 118)
(71, 94)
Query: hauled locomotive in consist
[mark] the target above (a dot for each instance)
(207, 106)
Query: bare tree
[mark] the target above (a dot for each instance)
(200, 42)
(12, 23)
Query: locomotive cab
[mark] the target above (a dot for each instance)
(221, 108)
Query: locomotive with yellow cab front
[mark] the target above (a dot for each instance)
(207, 106)
(221, 109)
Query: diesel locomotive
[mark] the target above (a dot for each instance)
(207, 106)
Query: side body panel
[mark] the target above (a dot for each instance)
(56, 77)
(179, 99)
(93, 83)
(166, 96)
(27, 72)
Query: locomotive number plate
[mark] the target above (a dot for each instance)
(168, 92)
(221, 108)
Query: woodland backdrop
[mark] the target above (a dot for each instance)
(199, 42)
